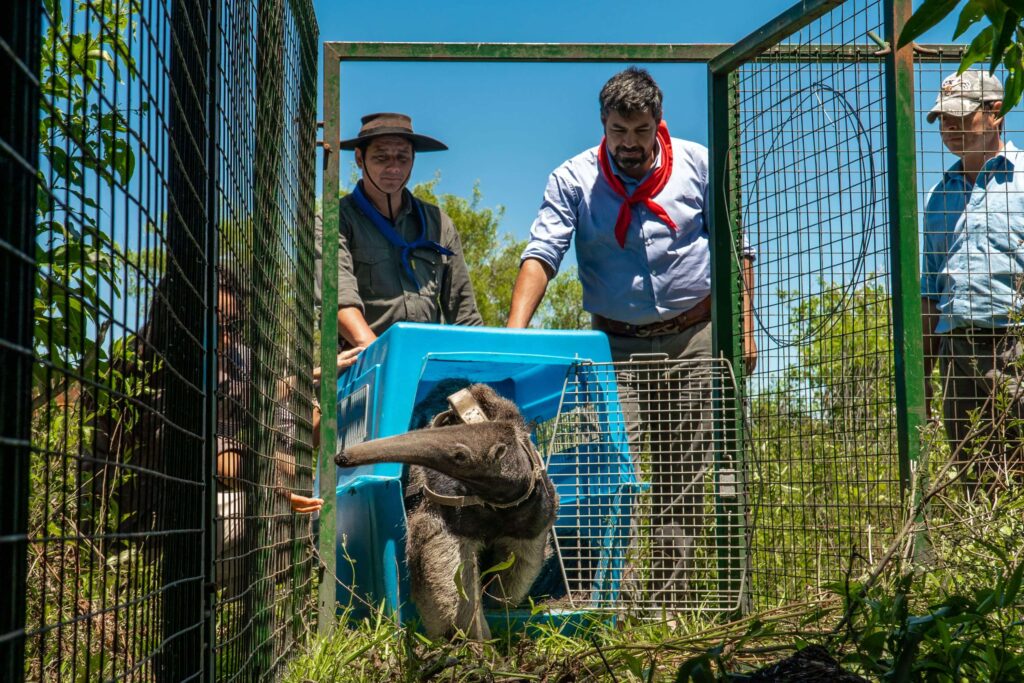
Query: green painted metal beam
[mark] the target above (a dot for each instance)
(525, 52)
(679, 53)
(902, 185)
(327, 599)
(727, 307)
(769, 35)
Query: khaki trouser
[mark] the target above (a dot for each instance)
(669, 425)
(983, 402)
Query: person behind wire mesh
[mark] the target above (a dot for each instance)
(972, 280)
(637, 205)
(399, 258)
(236, 409)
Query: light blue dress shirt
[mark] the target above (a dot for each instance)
(660, 273)
(973, 254)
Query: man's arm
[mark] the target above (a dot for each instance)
(929, 319)
(353, 327)
(531, 283)
(749, 342)
(550, 236)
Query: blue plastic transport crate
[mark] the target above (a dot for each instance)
(376, 397)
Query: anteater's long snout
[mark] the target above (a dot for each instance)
(440, 448)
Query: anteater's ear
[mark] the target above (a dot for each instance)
(497, 451)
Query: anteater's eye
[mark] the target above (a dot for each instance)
(461, 452)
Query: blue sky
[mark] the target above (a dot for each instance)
(509, 125)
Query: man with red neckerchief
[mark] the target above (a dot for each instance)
(637, 205)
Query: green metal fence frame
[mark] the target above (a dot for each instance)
(334, 54)
(901, 154)
(190, 609)
(722, 60)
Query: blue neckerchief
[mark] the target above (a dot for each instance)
(391, 235)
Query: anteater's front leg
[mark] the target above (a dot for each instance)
(510, 586)
(435, 558)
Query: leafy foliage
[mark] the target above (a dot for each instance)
(85, 150)
(1001, 42)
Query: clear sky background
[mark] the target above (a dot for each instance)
(509, 125)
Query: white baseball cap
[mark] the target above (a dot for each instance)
(962, 94)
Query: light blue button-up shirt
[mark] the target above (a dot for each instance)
(660, 273)
(973, 254)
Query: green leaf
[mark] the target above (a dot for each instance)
(1004, 37)
(1012, 588)
(501, 566)
(459, 585)
(1014, 85)
(971, 13)
(930, 13)
(979, 49)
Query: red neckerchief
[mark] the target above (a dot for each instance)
(654, 184)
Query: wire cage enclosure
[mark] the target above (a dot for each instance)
(644, 457)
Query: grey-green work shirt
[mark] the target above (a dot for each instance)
(371, 276)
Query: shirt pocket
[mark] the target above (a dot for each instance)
(374, 273)
(429, 267)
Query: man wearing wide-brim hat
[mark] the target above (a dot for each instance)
(972, 276)
(399, 258)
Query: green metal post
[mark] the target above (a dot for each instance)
(902, 176)
(305, 20)
(329, 339)
(20, 32)
(727, 310)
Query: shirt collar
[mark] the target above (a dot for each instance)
(1005, 161)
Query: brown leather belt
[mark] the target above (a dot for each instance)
(698, 314)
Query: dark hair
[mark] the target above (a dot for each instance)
(365, 145)
(229, 281)
(989, 106)
(631, 92)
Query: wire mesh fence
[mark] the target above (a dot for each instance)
(161, 277)
(643, 455)
(972, 269)
(809, 162)
(972, 279)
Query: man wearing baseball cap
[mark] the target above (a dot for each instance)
(972, 278)
(399, 258)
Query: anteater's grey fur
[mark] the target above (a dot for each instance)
(486, 459)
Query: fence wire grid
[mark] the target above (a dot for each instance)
(808, 122)
(971, 240)
(643, 455)
(972, 289)
(158, 266)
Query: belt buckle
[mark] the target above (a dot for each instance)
(643, 331)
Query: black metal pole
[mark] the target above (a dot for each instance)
(19, 149)
(184, 451)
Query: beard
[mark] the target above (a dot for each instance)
(629, 158)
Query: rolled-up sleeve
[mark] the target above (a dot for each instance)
(458, 303)
(348, 286)
(556, 220)
(934, 245)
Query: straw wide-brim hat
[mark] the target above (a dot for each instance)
(386, 123)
